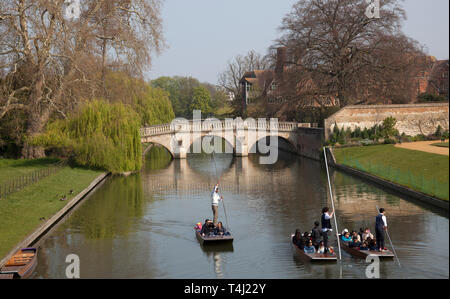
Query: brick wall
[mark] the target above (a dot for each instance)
(412, 119)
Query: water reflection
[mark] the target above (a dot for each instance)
(142, 226)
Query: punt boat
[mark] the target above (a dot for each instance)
(21, 265)
(363, 254)
(312, 257)
(206, 240)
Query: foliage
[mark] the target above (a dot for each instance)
(100, 135)
(152, 104)
(388, 128)
(201, 100)
(428, 97)
(187, 93)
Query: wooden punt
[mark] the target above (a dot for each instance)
(363, 254)
(21, 265)
(207, 240)
(311, 257)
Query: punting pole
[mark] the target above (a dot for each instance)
(332, 204)
(223, 202)
(390, 241)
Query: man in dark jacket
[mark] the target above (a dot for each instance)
(207, 228)
(316, 235)
(380, 229)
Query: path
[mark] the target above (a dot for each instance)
(425, 146)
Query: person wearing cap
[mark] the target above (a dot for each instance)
(215, 199)
(380, 229)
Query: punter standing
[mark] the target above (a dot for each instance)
(326, 224)
(380, 229)
(215, 199)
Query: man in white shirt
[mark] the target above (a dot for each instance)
(215, 199)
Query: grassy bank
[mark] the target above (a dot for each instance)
(12, 169)
(420, 171)
(21, 212)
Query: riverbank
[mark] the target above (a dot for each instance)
(21, 213)
(421, 172)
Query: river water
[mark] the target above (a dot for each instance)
(141, 226)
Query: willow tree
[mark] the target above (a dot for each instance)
(152, 104)
(100, 135)
(49, 61)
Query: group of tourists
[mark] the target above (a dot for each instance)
(316, 241)
(364, 240)
(208, 229)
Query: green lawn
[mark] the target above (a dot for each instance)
(423, 172)
(11, 169)
(441, 144)
(20, 212)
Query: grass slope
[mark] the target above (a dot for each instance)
(20, 212)
(424, 172)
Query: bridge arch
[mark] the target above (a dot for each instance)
(253, 144)
(229, 143)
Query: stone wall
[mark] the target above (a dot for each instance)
(310, 142)
(412, 119)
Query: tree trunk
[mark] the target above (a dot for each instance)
(37, 118)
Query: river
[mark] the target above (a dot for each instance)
(141, 226)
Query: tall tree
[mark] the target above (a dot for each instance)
(334, 44)
(237, 67)
(49, 62)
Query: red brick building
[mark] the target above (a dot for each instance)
(434, 79)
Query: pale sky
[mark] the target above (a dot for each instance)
(203, 35)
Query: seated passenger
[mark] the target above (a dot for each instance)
(346, 237)
(364, 246)
(330, 250)
(321, 249)
(355, 236)
(354, 243)
(366, 235)
(198, 226)
(297, 236)
(372, 244)
(220, 230)
(310, 248)
(304, 240)
(361, 232)
(208, 228)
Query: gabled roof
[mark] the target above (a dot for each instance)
(262, 78)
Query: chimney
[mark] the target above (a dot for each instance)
(281, 62)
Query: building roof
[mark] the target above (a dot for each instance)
(263, 78)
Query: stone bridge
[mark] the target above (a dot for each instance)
(242, 136)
